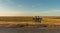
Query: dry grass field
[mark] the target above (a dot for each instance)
(50, 20)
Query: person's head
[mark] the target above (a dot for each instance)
(35, 16)
(38, 16)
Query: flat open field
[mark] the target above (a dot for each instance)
(46, 19)
(51, 20)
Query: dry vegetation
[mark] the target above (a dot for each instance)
(16, 19)
(28, 20)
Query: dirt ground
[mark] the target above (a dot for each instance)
(29, 23)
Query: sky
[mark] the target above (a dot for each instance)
(29, 7)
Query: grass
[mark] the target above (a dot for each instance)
(18, 20)
(26, 19)
(48, 19)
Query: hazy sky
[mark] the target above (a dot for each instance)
(29, 7)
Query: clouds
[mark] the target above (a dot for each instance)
(10, 2)
(36, 13)
(48, 13)
(19, 5)
(27, 8)
(9, 13)
(36, 5)
(7, 2)
(43, 13)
